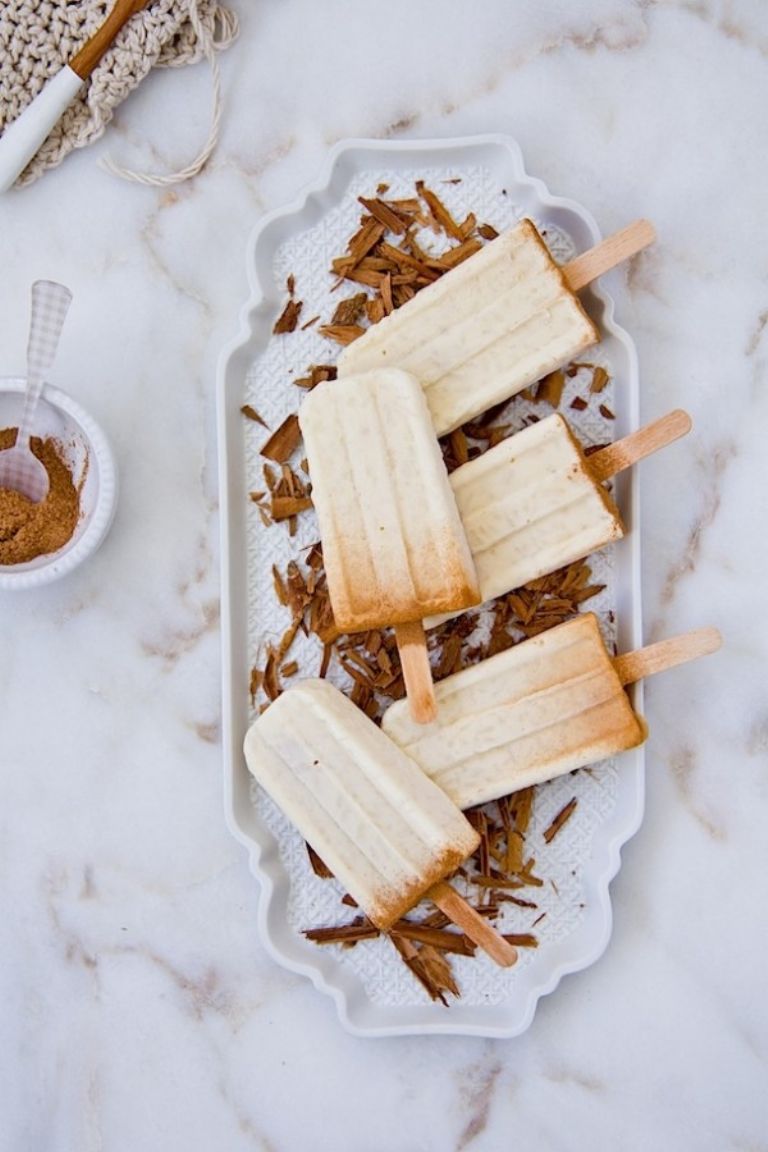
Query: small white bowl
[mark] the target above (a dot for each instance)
(92, 464)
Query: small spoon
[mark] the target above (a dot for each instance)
(20, 469)
(23, 137)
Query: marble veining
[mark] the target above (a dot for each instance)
(682, 762)
(138, 1008)
(711, 467)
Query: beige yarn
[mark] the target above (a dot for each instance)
(38, 37)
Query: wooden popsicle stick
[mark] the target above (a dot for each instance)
(472, 924)
(669, 653)
(627, 451)
(417, 674)
(84, 61)
(608, 253)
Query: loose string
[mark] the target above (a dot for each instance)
(228, 28)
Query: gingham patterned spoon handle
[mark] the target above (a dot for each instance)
(50, 304)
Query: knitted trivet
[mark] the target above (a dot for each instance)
(38, 37)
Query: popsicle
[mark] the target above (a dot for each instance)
(387, 833)
(393, 545)
(542, 708)
(535, 502)
(494, 324)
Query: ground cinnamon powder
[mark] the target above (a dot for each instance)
(28, 530)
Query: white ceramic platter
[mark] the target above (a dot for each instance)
(374, 993)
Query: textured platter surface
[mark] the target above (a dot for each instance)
(374, 993)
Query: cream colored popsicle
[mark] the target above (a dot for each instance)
(394, 547)
(542, 708)
(535, 502)
(393, 544)
(493, 325)
(387, 833)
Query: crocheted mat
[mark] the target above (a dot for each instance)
(38, 37)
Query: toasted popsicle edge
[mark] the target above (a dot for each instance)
(460, 584)
(451, 902)
(602, 465)
(448, 415)
(452, 582)
(627, 668)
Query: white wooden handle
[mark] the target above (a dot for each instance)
(23, 137)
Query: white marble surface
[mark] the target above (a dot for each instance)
(137, 1007)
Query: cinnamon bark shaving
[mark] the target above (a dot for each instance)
(316, 374)
(271, 676)
(476, 436)
(342, 333)
(289, 496)
(258, 498)
(459, 447)
(522, 939)
(459, 254)
(499, 860)
(439, 212)
(562, 818)
(429, 966)
(375, 309)
(386, 258)
(350, 310)
(284, 440)
(422, 944)
(441, 938)
(288, 318)
(550, 388)
(256, 681)
(508, 898)
(358, 247)
(319, 867)
(359, 929)
(285, 507)
(386, 214)
(250, 412)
